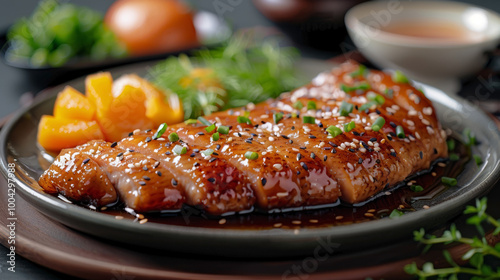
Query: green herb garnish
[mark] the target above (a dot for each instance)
(416, 188)
(308, 119)
(400, 132)
(243, 70)
(478, 160)
(179, 150)
(311, 105)
(243, 119)
(379, 99)
(451, 144)
(207, 152)
(367, 105)
(159, 132)
(454, 157)
(215, 136)
(210, 128)
(191, 121)
(204, 121)
(359, 86)
(469, 137)
(399, 77)
(298, 105)
(378, 124)
(277, 117)
(396, 214)
(223, 129)
(173, 137)
(478, 255)
(345, 108)
(252, 155)
(389, 92)
(449, 181)
(361, 72)
(349, 126)
(334, 131)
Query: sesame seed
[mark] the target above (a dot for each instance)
(360, 160)
(86, 161)
(299, 156)
(334, 151)
(136, 131)
(145, 168)
(249, 141)
(285, 137)
(441, 164)
(217, 147)
(143, 221)
(174, 182)
(313, 221)
(312, 136)
(158, 173)
(339, 217)
(271, 138)
(325, 158)
(146, 178)
(377, 161)
(434, 174)
(277, 225)
(421, 154)
(296, 222)
(212, 159)
(427, 111)
(119, 155)
(412, 113)
(148, 139)
(426, 207)
(282, 194)
(264, 181)
(369, 215)
(119, 217)
(393, 154)
(196, 164)
(142, 183)
(278, 166)
(351, 150)
(222, 221)
(114, 144)
(313, 156)
(393, 124)
(168, 153)
(304, 166)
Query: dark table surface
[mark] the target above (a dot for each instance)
(13, 84)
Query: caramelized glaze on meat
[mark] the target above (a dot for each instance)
(299, 164)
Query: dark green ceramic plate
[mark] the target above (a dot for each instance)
(18, 146)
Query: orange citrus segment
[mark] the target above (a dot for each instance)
(98, 91)
(71, 104)
(55, 134)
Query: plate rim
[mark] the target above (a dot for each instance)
(41, 201)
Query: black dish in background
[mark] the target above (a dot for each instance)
(212, 31)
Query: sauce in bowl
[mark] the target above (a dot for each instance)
(438, 30)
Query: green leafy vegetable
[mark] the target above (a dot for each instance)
(244, 70)
(161, 129)
(57, 32)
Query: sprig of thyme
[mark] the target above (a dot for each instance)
(475, 256)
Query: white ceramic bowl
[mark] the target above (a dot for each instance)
(422, 58)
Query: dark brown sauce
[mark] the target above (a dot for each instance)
(401, 197)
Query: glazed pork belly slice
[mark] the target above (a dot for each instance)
(210, 183)
(138, 180)
(279, 178)
(364, 161)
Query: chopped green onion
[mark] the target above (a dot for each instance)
(399, 77)
(179, 150)
(389, 92)
(161, 129)
(376, 97)
(378, 124)
(454, 157)
(308, 119)
(451, 144)
(207, 152)
(449, 181)
(349, 126)
(400, 132)
(478, 160)
(311, 105)
(215, 136)
(346, 108)
(298, 105)
(222, 129)
(367, 106)
(210, 128)
(173, 137)
(191, 121)
(277, 117)
(334, 131)
(204, 121)
(246, 114)
(295, 114)
(470, 139)
(396, 214)
(361, 86)
(416, 188)
(360, 72)
(251, 155)
(243, 119)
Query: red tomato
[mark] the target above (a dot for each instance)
(152, 26)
